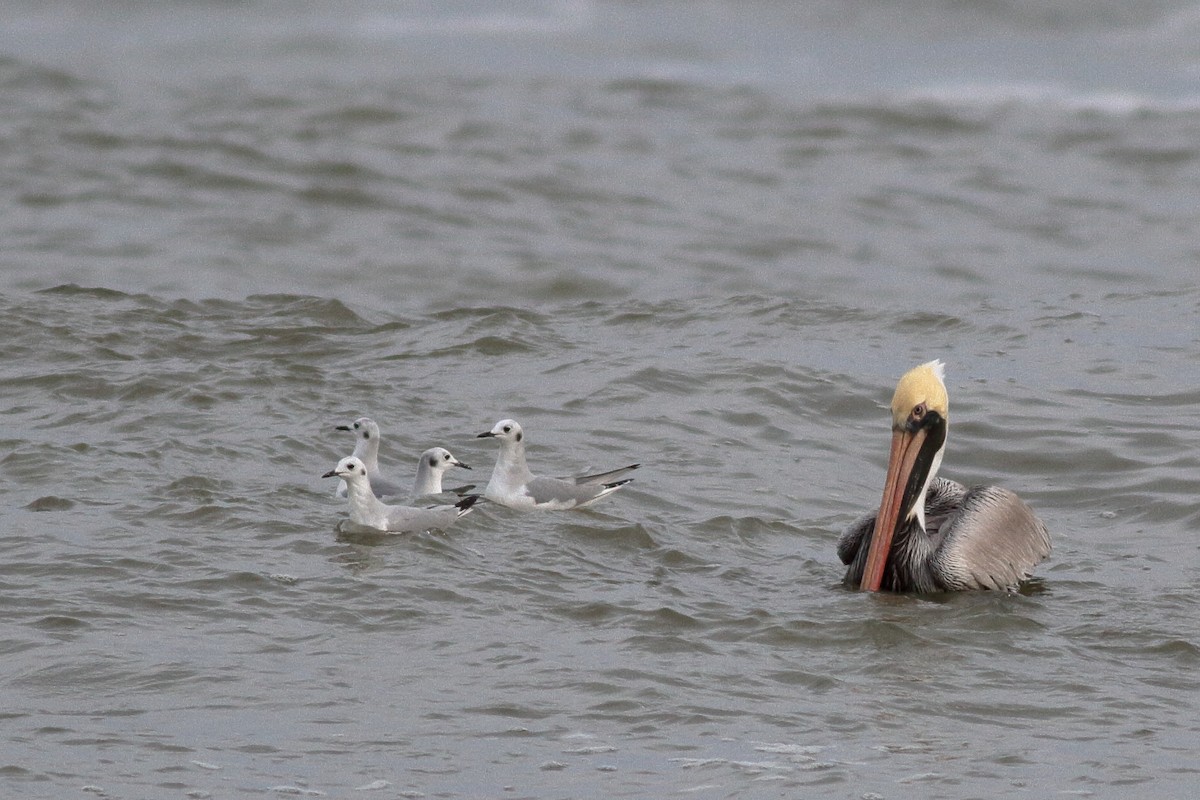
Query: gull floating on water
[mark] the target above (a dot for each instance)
(366, 450)
(932, 534)
(513, 485)
(431, 467)
(366, 509)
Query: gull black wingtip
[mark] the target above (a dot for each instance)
(467, 502)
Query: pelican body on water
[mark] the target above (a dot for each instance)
(932, 534)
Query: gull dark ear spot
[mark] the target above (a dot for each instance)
(366, 434)
(362, 471)
(433, 461)
(518, 437)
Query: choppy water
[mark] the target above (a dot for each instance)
(699, 236)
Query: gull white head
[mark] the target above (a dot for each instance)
(510, 471)
(430, 469)
(439, 459)
(351, 469)
(366, 437)
(507, 431)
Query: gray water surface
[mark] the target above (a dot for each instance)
(704, 237)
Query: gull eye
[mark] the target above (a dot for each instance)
(508, 428)
(446, 457)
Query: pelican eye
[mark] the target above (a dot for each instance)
(918, 411)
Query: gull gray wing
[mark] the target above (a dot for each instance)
(409, 519)
(446, 497)
(603, 477)
(561, 492)
(990, 541)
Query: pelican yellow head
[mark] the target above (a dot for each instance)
(922, 389)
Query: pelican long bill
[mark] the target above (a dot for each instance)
(905, 449)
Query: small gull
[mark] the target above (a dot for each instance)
(367, 510)
(513, 485)
(430, 469)
(366, 450)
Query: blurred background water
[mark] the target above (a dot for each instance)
(705, 236)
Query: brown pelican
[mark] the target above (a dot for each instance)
(932, 534)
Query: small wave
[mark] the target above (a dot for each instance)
(993, 98)
(51, 503)
(555, 17)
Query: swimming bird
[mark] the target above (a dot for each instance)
(431, 467)
(367, 510)
(513, 485)
(932, 534)
(366, 449)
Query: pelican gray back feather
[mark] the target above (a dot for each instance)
(990, 542)
(979, 538)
